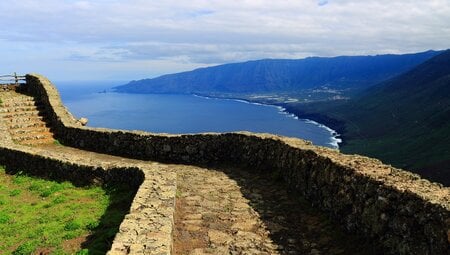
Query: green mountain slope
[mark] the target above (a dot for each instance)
(278, 75)
(404, 121)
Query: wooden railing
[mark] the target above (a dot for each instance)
(12, 79)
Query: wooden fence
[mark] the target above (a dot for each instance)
(12, 79)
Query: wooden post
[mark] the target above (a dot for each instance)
(17, 79)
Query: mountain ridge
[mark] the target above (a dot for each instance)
(287, 75)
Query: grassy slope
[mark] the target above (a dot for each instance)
(404, 121)
(44, 216)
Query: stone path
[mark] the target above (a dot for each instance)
(233, 211)
(213, 216)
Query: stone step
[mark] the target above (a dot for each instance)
(38, 141)
(8, 115)
(19, 109)
(18, 103)
(24, 119)
(31, 136)
(17, 97)
(27, 124)
(29, 130)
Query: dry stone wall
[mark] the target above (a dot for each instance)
(151, 210)
(398, 209)
(31, 162)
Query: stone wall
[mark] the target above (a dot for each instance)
(32, 163)
(151, 211)
(398, 209)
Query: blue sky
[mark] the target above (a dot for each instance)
(134, 39)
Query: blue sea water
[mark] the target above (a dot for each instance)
(178, 114)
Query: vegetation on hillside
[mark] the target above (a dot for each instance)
(404, 121)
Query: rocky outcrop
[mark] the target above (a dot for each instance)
(399, 210)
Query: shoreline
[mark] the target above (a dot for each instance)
(335, 136)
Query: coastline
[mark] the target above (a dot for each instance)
(336, 138)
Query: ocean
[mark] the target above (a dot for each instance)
(184, 114)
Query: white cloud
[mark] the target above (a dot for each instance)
(124, 33)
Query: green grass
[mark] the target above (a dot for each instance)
(38, 215)
(57, 142)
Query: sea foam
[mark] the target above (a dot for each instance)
(335, 139)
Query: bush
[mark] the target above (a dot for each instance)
(15, 192)
(72, 225)
(82, 252)
(4, 218)
(25, 249)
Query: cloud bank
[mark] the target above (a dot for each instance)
(130, 39)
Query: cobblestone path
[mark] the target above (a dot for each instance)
(237, 212)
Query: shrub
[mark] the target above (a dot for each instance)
(25, 249)
(72, 225)
(15, 192)
(4, 218)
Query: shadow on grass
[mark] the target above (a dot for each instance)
(102, 236)
(120, 195)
